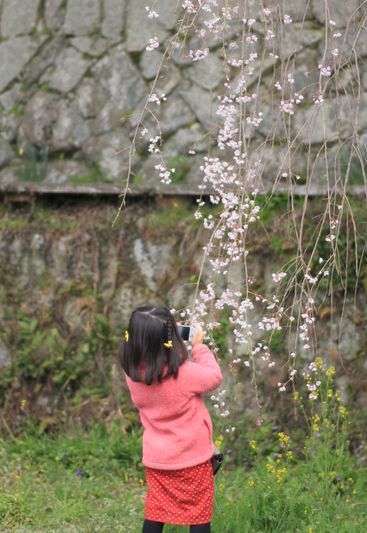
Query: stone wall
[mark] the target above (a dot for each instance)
(69, 281)
(75, 73)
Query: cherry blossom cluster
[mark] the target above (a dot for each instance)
(164, 173)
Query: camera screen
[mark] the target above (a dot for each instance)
(184, 332)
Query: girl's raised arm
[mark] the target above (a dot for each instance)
(203, 374)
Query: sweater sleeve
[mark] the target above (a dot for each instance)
(203, 374)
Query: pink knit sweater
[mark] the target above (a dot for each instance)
(178, 431)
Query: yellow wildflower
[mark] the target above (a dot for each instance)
(319, 363)
(279, 473)
(218, 443)
(342, 410)
(329, 393)
(250, 482)
(252, 444)
(330, 371)
(284, 439)
(270, 468)
(315, 423)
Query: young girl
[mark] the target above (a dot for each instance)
(178, 434)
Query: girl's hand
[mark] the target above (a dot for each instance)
(199, 335)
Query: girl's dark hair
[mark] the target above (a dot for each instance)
(143, 356)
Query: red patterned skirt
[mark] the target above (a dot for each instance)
(181, 497)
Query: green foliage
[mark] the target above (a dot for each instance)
(94, 481)
(181, 164)
(45, 356)
(34, 166)
(94, 176)
(87, 56)
(220, 333)
(276, 205)
(355, 166)
(168, 218)
(16, 110)
(12, 223)
(48, 481)
(47, 89)
(348, 250)
(94, 32)
(47, 32)
(277, 342)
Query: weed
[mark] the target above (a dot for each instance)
(182, 167)
(16, 110)
(34, 166)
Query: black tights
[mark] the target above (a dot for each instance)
(157, 527)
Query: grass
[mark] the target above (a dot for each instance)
(93, 481)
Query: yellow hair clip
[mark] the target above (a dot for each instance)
(126, 335)
(168, 344)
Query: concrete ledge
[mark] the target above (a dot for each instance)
(38, 189)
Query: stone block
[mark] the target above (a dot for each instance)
(50, 121)
(113, 19)
(11, 97)
(297, 37)
(339, 11)
(8, 176)
(70, 130)
(185, 139)
(110, 151)
(59, 172)
(6, 152)
(90, 46)
(45, 58)
(14, 55)
(331, 121)
(108, 119)
(140, 28)
(175, 114)
(168, 79)
(355, 43)
(38, 119)
(207, 73)
(5, 357)
(69, 69)
(110, 269)
(120, 79)
(82, 17)
(364, 81)
(90, 97)
(201, 103)
(298, 10)
(18, 17)
(150, 63)
(153, 261)
(54, 14)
